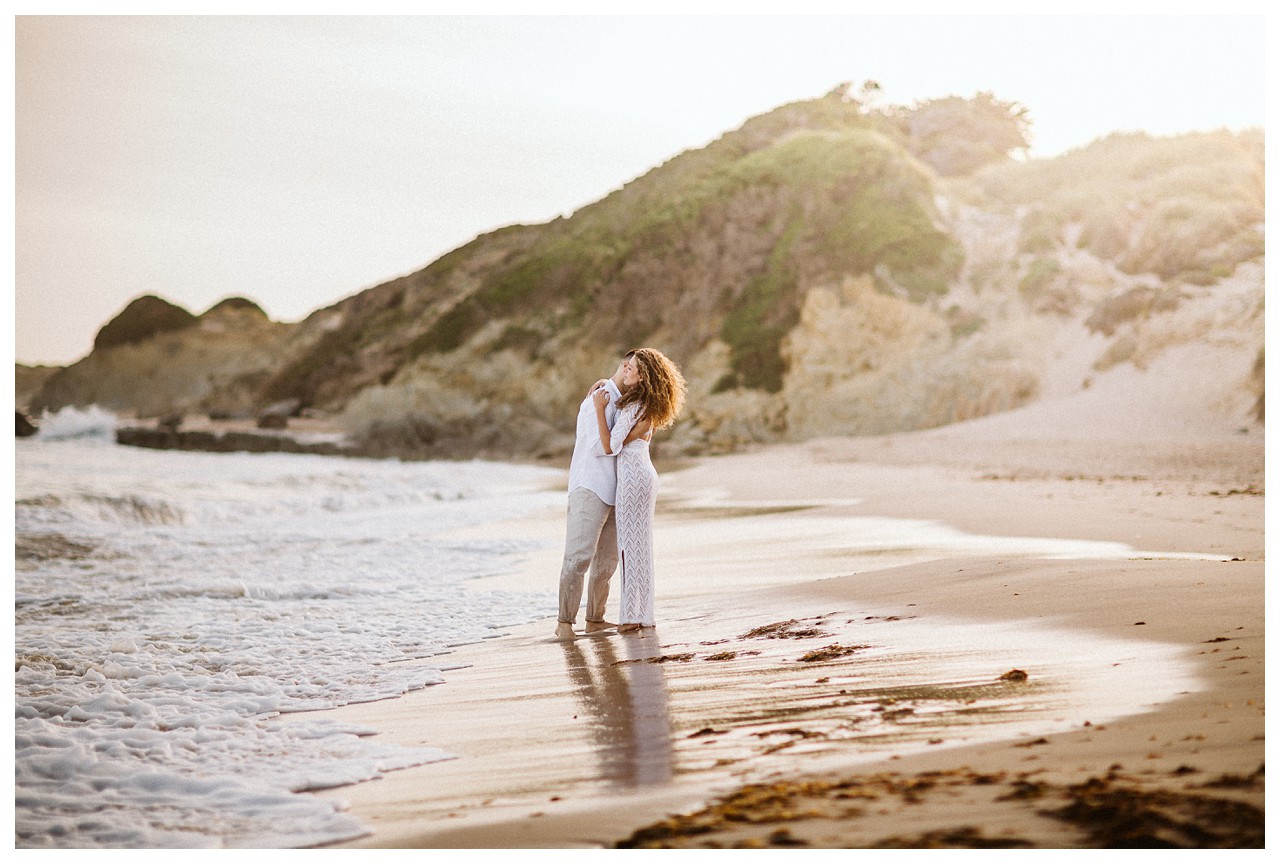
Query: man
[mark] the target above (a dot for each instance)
(591, 538)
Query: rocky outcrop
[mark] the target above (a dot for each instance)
(143, 318)
(862, 363)
(27, 383)
(215, 365)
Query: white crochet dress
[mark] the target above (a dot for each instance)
(633, 512)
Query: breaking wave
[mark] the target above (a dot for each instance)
(72, 422)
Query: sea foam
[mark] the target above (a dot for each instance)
(72, 422)
(168, 606)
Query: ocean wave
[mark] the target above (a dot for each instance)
(72, 422)
(168, 605)
(136, 508)
(47, 547)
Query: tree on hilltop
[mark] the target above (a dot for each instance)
(957, 136)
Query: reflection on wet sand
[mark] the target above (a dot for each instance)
(626, 703)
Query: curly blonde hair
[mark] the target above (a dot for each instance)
(660, 390)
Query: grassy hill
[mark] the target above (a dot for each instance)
(895, 263)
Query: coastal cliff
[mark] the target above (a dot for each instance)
(831, 267)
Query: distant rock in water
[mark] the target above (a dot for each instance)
(230, 441)
(283, 408)
(144, 317)
(276, 415)
(25, 427)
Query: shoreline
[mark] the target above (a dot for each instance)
(768, 523)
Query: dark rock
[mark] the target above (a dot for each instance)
(284, 408)
(25, 427)
(277, 414)
(226, 442)
(144, 317)
(170, 422)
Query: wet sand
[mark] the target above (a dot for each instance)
(978, 636)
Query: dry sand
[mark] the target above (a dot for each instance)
(1135, 608)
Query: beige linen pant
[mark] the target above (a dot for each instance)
(591, 540)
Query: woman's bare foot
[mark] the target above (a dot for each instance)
(628, 628)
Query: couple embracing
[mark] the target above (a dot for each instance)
(613, 489)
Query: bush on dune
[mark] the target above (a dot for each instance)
(1187, 208)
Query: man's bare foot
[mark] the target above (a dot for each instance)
(565, 631)
(628, 628)
(599, 626)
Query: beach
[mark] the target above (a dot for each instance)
(1028, 630)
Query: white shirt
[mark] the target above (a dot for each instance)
(590, 467)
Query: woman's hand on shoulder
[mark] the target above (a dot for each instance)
(600, 397)
(596, 386)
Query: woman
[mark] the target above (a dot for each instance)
(654, 394)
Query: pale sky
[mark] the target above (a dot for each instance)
(299, 160)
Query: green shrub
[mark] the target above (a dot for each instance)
(450, 330)
(964, 323)
(727, 381)
(1170, 206)
(1039, 276)
(857, 203)
(520, 339)
(1040, 232)
(303, 378)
